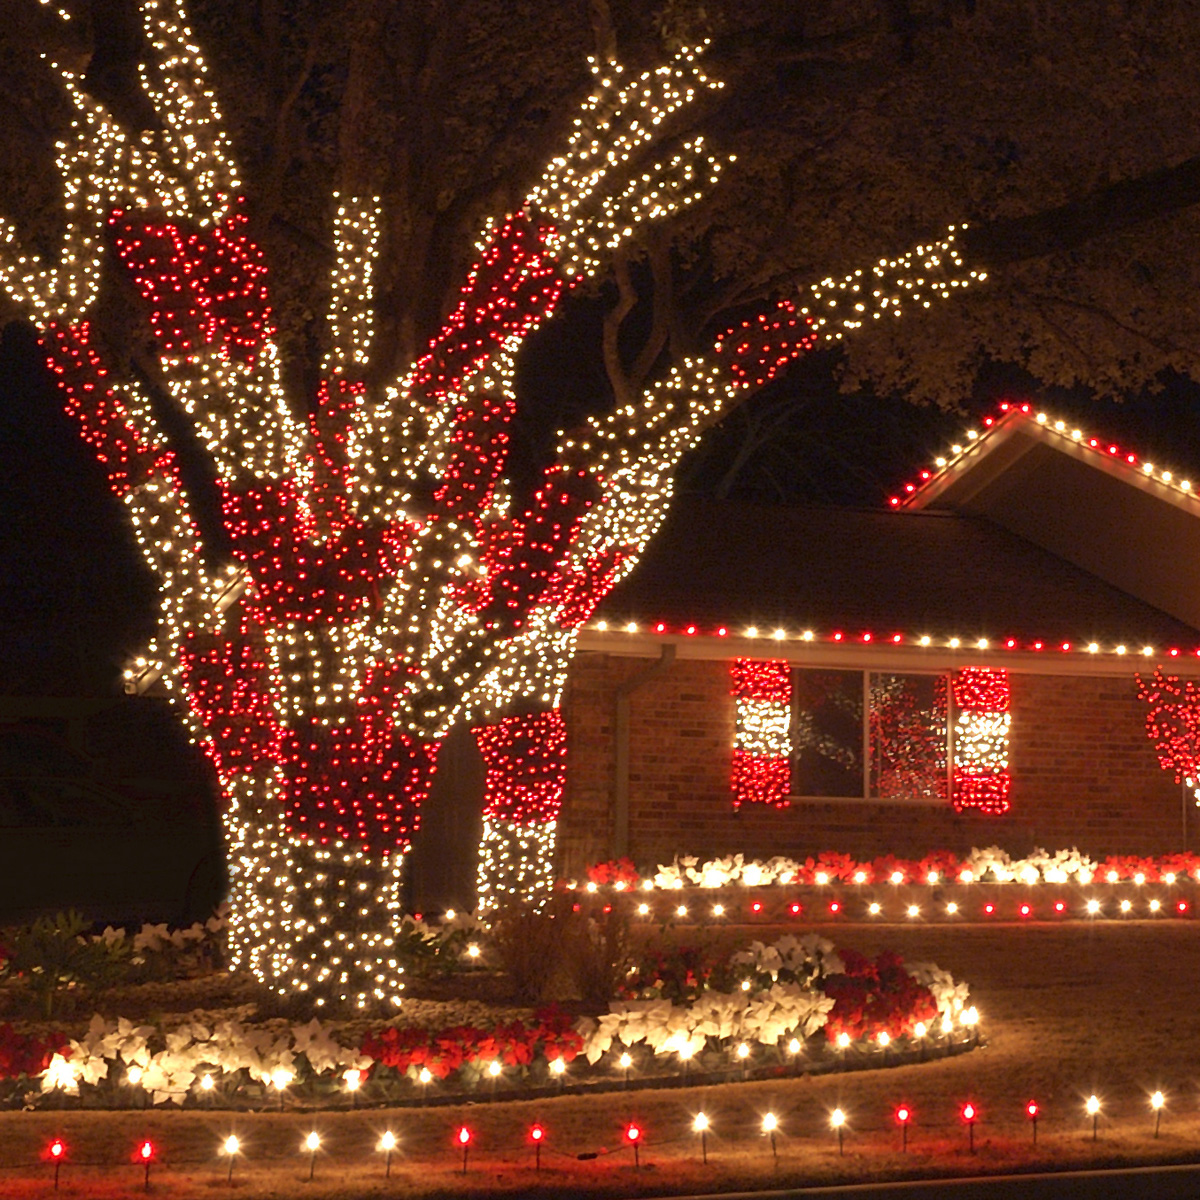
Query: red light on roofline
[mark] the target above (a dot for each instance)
(722, 631)
(893, 500)
(660, 628)
(988, 421)
(1173, 652)
(866, 637)
(1066, 646)
(1113, 450)
(896, 639)
(1037, 645)
(1011, 643)
(691, 629)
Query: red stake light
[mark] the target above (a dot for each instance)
(969, 1114)
(1031, 1111)
(464, 1140)
(537, 1133)
(57, 1151)
(633, 1135)
(903, 1116)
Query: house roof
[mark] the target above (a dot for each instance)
(859, 571)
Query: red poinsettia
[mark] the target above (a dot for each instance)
(27, 1053)
(875, 996)
(615, 870)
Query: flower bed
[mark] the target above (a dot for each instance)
(990, 865)
(795, 1005)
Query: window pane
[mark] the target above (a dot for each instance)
(908, 737)
(827, 733)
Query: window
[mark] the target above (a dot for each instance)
(875, 735)
(868, 734)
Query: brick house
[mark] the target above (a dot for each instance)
(956, 670)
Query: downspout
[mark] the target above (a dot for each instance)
(620, 834)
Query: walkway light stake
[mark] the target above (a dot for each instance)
(494, 1069)
(970, 1114)
(743, 1053)
(633, 1135)
(280, 1078)
(353, 1078)
(464, 1140)
(903, 1116)
(387, 1143)
(769, 1125)
(1031, 1111)
(558, 1068)
(700, 1126)
(837, 1119)
(206, 1086)
(312, 1144)
(1156, 1103)
(424, 1078)
(1093, 1111)
(920, 1030)
(625, 1061)
(58, 1151)
(536, 1132)
(685, 1056)
(146, 1157)
(230, 1146)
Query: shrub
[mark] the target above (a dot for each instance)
(534, 945)
(602, 954)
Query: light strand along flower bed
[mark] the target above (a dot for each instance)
(801, 1006)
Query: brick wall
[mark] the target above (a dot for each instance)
(1084, 774)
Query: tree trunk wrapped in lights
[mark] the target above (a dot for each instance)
(387, 582)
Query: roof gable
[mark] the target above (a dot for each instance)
(1085, 500)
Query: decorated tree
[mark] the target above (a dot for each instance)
(376, 573)
(1173, 725)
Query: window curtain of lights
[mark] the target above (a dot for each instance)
(762, 769)
(981, 775)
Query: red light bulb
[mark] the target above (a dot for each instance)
(146, 1151)
(903, 1114)
(968, 1112)
(58, 1148)
(464, 1135)
(537, 1132)
(1032, 1109)
(632, 1133)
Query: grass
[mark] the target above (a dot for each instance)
(1067, 1010)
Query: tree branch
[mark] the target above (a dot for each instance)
(620, 382)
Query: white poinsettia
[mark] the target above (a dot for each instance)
(61, 1076)
(950, 996)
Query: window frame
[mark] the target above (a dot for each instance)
(865, 797)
